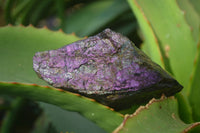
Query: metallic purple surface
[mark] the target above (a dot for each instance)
(107, 67)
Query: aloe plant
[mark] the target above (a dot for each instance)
(170, 36)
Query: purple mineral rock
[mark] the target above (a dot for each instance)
(107, 67)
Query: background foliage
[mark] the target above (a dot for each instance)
(167, 31)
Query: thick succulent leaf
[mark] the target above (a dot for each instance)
(191, 17)
(17, 47)
(175, 37)
(68, 121)
(195, 4)
(100, 114)
(172, 32)
(151, 47)
(94, 16)
(185, 110)
(195, 88)
(158, 116)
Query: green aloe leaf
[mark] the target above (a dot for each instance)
(17, 47)
(195, 88)
(68, 121)
(158, 116)
(94, 16)
(152, 47)
(100, 114)
(191, 17)
(172, 32)
(195, 4)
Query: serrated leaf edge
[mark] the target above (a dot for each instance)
(60, 90)
(141, 108)
(44, 28)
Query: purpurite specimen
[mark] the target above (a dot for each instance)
(107, 67)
